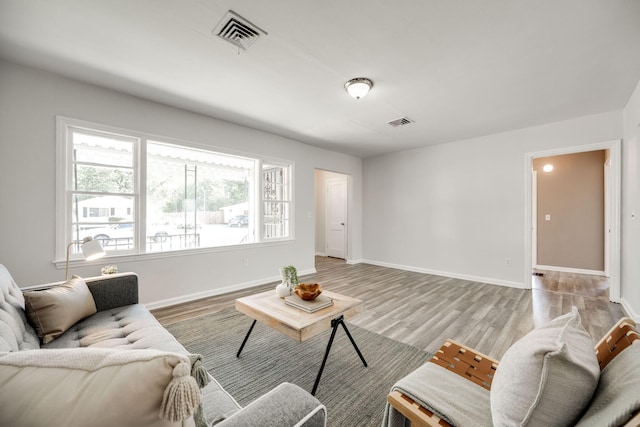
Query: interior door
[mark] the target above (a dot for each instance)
(336, 217)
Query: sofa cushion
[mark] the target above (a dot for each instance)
(439, 390)
(95, 387)
(217, 403)
(129, 327)
(15, 332)
(546, 378)
(617, 397)
(52, 311)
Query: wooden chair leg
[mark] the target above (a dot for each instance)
(418, 415)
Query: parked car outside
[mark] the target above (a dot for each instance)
(119, 231)
(239, 221)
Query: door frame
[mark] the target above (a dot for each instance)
(534, 219)
(614, 209)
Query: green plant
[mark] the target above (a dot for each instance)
(291, 276)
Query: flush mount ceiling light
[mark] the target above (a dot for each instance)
(548, 167)
(358, 87)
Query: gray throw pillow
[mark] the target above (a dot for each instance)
(546, 378)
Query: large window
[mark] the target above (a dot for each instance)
(141, 194)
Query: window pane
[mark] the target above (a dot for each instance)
(102, 189)
(193, 194)
(103, 179)
(104, 218)
(104, 150)
(275, 194)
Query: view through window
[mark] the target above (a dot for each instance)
(139, 195)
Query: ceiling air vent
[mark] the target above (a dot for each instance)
(238, 31)
(400, 122)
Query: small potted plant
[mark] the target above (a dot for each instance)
(290, 280)
(109, 269)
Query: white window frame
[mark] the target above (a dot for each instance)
(64, 152)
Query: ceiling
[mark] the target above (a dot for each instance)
(459, 69)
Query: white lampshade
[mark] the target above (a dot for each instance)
(358, 87)
(92, 249)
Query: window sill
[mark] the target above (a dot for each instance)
(126, 258)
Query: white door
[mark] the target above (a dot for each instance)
(336, 217)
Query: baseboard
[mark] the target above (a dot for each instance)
(570, 270)
(322, 254)
(354, 261)
(629, 310)
(470, 278)
(220, 291)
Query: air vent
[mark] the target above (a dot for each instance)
(238, 31)
(400, 122)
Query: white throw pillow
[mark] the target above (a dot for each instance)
(96, 387)
(546, 378)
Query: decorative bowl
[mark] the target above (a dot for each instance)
(308, 291)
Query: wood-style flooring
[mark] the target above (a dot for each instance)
(423, 310)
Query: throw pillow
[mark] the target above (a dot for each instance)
(546, 378)
(98, 387)
(53, 310)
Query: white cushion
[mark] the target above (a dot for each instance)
(546, 378)
(89, 387)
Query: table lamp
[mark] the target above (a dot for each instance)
(91, 249)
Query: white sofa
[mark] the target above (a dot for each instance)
(84, 352)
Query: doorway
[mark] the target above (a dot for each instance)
(611, 227)
(332, 214)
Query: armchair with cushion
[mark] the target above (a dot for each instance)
(550, 377)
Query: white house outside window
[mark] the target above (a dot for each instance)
(140, 194)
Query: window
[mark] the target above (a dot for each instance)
(140, 194)
(275, 190)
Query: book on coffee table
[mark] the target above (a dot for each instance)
(321, 301)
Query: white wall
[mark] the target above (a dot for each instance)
(29, 102)
(630, 259)
(458, 209)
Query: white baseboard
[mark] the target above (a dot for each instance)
(629, 310)
(569, 270)
(219, 291)
(323, 254)
(488, 280)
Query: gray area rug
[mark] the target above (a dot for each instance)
(354, 395)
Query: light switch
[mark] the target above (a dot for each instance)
(547, 217)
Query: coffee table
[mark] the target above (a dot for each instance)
(268, 308)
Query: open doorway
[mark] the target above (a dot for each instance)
(332, 214)
(607, 251)
(569, 213)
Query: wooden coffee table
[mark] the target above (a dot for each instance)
(268, 308)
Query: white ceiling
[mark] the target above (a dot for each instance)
(460, 69)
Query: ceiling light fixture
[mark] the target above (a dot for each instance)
(358, 87)
(548, 167)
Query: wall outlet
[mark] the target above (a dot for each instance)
(246, 262)
(507, 262)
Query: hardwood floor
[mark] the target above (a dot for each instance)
(423, 310)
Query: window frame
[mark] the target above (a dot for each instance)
(64, 191)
